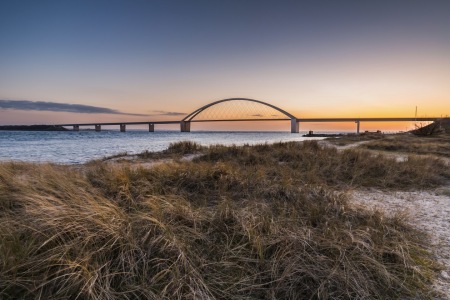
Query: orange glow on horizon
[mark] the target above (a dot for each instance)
(36, 117)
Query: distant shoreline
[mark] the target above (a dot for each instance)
(33, 128)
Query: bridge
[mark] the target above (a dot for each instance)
(243, 109)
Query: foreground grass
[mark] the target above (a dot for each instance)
(262, 222)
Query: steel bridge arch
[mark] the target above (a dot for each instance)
(193, 114)
(186, 126)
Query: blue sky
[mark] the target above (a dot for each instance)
(312, 58)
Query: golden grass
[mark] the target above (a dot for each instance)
(263, 222)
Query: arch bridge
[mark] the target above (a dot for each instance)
(243, 109)
(237, 110)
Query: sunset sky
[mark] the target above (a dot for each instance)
(124, 60)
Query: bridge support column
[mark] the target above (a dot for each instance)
(357, 126)
(151, 127)
(76, 127)
(98, 127)
(294, 126)
(123, 127)
(185, 126)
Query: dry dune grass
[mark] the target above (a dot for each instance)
(309, 163)
(263, 222)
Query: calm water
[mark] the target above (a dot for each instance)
(79, 147)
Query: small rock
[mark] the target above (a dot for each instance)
(445, 275)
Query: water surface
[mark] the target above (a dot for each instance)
(70, 147)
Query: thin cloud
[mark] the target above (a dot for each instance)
(168, 113)
(59, 107)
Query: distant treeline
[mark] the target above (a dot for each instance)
(33, 128)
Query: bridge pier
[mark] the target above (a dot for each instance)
(357, 126)
(185, 126)
(151, 127)
(98, 127)
(123, 127)
(76, 127)
(294, 126)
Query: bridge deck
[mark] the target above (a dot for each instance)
(311, 120)
(120, 123)
(364, 119)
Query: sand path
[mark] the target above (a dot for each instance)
(427, 210)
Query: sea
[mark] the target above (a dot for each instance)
(71, 147)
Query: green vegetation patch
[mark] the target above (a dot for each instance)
(262, 222)
(349, 139)
(432, 145)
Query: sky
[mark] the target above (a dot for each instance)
(67, 61)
